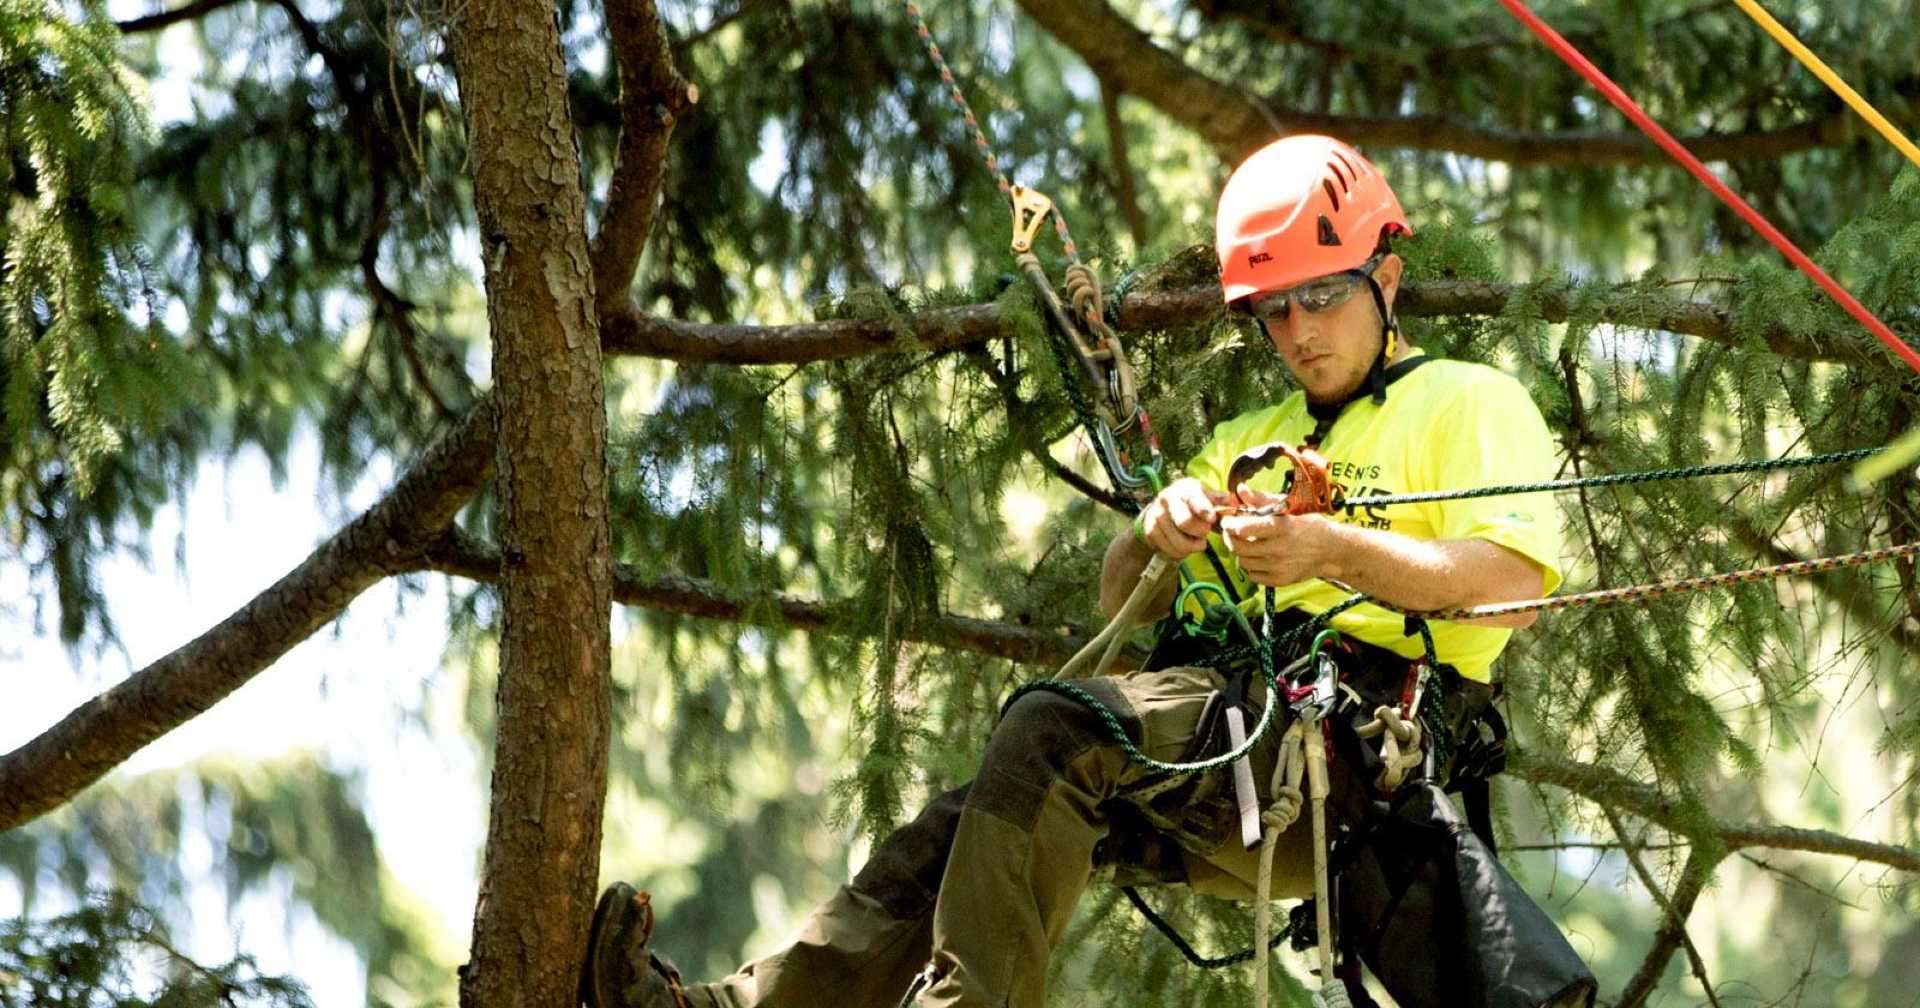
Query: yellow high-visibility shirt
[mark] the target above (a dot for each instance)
(1447, 425)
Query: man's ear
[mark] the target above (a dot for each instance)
(1387, 275)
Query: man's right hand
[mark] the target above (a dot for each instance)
(1176, 522)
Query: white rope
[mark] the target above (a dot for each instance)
(1113, 637)
(1282, 812)
(1322, 889)
(1400, 746)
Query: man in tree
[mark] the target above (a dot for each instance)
(962, 906)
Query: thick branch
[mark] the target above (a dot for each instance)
(105, 730)
(1235, 121)
(464, 556)
(633, 332)
(653, 97)
(1614, 790)
(1122, 165)
(547, 798)
(166, 19)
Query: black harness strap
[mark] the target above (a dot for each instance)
(1326, 414)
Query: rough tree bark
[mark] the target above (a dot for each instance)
(550, 747)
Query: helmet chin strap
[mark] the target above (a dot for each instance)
(1376, 382)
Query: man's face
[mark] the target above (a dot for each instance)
(1330, 351)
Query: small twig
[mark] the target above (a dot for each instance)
(1774, 869)
(1673, 930)
(1684, 281)
(1019, 412)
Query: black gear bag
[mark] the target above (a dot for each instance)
(1437, 918)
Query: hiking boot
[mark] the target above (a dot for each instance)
(620, 972)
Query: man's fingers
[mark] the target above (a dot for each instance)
(1244, 528)
(1193, 516)
(1168, 539)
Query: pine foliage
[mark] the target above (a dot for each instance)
(96, 957)
(825, 176)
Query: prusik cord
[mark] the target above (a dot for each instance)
(1664, 589)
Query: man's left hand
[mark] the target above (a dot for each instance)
(1278, 550)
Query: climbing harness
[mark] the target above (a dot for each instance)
(1906, 448)
(1118, 416)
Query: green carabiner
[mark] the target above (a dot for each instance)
(1200, 627)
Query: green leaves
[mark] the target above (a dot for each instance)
(86, 360)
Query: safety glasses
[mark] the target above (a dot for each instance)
(1315, 296)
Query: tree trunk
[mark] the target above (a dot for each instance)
(550, 757)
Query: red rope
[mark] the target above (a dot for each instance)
(1565, 50)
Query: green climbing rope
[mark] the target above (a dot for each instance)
(1262, 648)
(1617, 479)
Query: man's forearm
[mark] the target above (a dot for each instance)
(1424, 575)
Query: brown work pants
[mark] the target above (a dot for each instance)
(983, 882)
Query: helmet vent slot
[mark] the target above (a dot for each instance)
(1345, 177)
(1331, 194)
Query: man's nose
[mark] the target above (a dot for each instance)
(1307, 328)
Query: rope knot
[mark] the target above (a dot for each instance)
(1283, 811)
(1083, 288)
(1400, 746)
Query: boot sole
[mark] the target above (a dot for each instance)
(606, 937)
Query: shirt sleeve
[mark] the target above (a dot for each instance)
(1492, 433)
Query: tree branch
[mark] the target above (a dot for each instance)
(653, 97)
(457, 553)
(1122, 165)
(1694, 875)
(102, 732)
(633, 332)
(1236, 122)
(166, 19)
(1614, 790)
(1025, 424)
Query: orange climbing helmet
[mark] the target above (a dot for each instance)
(1301, 207)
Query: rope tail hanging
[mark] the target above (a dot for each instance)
(1906, 448)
